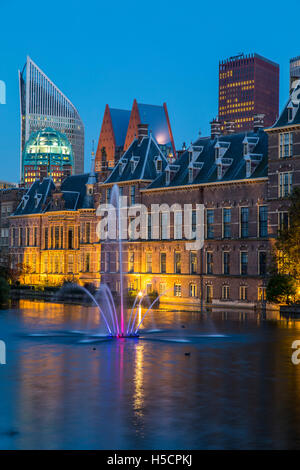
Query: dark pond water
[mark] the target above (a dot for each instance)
(225, 381)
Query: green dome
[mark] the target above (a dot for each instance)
(48, 146)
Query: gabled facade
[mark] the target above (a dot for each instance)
(112, 137)
(158, 121)
(53, 233)
(232, 266)
(120, 127)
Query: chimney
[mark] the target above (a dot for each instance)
(215, 126)
(258, 122)
(229, 127)
(142, 131)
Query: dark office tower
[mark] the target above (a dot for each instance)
(248, 85)
(294, 69)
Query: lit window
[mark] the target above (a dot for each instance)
(177, 262)
(149, 262)
(177, 290)
(193, 290)
(261, 294)
(225, 292)
(131, 262)
(243, 292)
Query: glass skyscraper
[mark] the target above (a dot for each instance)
(43, 105)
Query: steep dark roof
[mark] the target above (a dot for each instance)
(205, 165)
(144, 155)
(35, 198)
(120, 120)
(74, 192)
(38, 197)
(294, 105)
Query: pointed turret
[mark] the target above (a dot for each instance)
(90, 184)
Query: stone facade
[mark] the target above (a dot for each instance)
(195, 279)
(56, 247)
(9, 200)
(53, 233)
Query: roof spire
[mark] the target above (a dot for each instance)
(92, 175)
(91, 181)
(92, 172)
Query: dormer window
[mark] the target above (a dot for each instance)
(245, 148)
(133, 163)
(191, 175)
(37, 198)
(24, 201)
(219, 171)
(158, 164)
(290, 114)
(168, 177)
(122, 165)
(217, 152)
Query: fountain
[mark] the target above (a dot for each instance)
(113, 316)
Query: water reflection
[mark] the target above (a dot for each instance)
(240, 391)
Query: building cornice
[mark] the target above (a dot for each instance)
(201, 185)
(124, 182)
(274, 130)
(41, 214)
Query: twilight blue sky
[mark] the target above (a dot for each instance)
(114, 51)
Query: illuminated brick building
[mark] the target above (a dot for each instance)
(228, 174)
(53, 233)
(120, 127)
(6, 185)
(248, 85)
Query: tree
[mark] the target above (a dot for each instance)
(288, 243)
(281, 288)
(4, 291)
